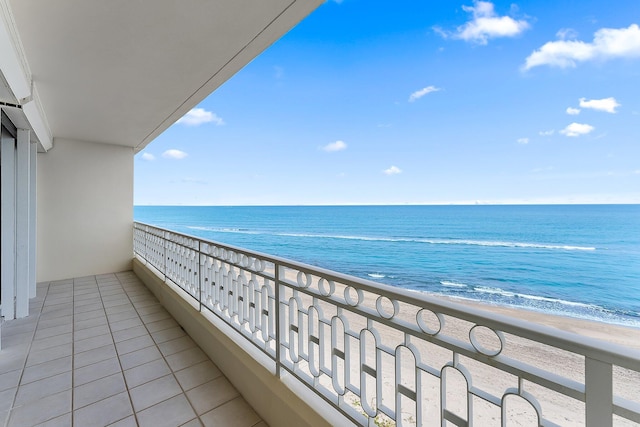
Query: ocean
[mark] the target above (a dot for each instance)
(575, 260)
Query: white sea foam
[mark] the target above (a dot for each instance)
(225, 230)
(376, 275)
(504, 293)
(489, 243)
(452, 284)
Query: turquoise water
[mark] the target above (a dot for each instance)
(576, 260)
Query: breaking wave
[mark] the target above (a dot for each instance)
(430, 241)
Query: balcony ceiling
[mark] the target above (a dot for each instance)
(122, 71)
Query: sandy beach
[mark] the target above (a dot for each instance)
(618, 334)
(560, 409)
(485, 379)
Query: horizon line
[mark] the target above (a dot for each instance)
(400, 204)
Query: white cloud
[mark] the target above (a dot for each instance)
(523, 141)
(174, 154)
(608, 105)
(422, 92)
(573, 111)
(547, 132)
(577, 129)
(567, 34)
(198, 116)
(393, 170)
(608, 43)
(335, 146)
(485, 25)
(148, 157)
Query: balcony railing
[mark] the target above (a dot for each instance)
(385, 356)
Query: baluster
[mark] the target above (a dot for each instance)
(598, 393)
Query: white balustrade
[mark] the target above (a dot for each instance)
(386, 356)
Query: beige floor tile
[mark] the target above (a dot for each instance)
(17, 340)
(87, 344)
(120, 309)
(13, 358)
(47, 369)
(104, 412)
(89, 323)
(10, 379)
(127, 422)
(134, 344)
(88, 307)
(150, 309)
(97, 390)
(170, 413)
(139, 357)
(113, 294)
(88, 295)
(111, 291)
(235, 413)
(47, 408)
(123, 315)
(125, 324)
(62, 420)
(54, 314)
(61, 298)
(197, 374)
(186, 358)
(175, 346)
(49, 354)
(102, 323)
(80, 317)
(120, 301)
(56, 311)
(55, 330)
(154, 317)
(6, 398)
(38, 389)
(162, 325)
(168, 334)
(94, 356)
(49, 342)
(89, 373)
(212, 394)
(94, 331)
(126, 334)
(147, 372)
(58, 321)
(153, 392)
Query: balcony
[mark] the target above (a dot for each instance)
(377, 355)
(101, 350)
(301, 345)
(224, 336)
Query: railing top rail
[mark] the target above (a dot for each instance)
(590, 347)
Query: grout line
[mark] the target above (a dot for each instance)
(73, 349)
(239, 395)
(117, 356)
(184, 393)
(24, 365)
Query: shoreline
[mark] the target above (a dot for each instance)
(628, 336)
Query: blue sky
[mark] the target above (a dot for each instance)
(372, 102)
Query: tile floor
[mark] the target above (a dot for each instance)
(100, 351)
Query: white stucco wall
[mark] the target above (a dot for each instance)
(85, 210)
